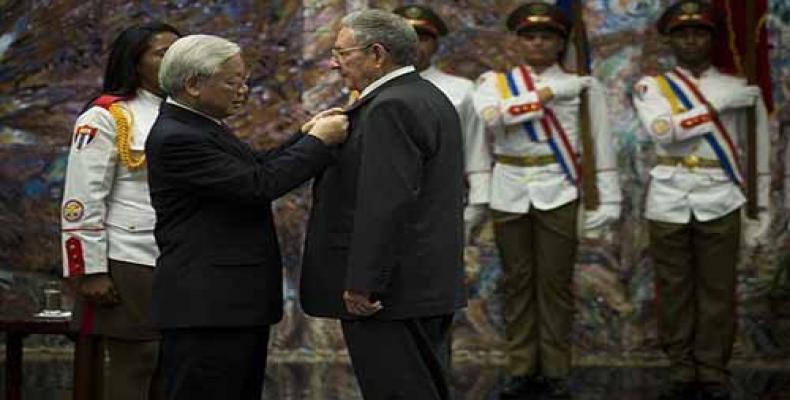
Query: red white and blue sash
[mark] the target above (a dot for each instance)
(550, 130)
(682, 90)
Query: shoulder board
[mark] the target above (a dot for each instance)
(106, 100)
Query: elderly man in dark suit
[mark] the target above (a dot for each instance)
(385, 237)
(218, 283)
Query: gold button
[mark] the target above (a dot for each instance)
(691, 161)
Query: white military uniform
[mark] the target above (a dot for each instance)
(514, 188)
(106, 209)
(678, 191)
(477, 159)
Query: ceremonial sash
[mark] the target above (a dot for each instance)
(550, 129)
(683, 95)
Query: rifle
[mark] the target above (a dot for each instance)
(589, 188)
(750, 68)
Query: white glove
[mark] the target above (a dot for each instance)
(755, 231)
(603, 215)
(737, 97)
(474, 216)
(569, 87)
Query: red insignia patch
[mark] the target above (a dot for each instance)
(75, 259)
(83, 135)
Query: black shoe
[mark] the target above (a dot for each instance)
(520, 387)
(679, 391)
(557, 388)
(714, 391)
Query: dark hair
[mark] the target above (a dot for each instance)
(120, 76)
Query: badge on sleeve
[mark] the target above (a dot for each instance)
(660, 127)
(73, 210)
(490, 114)
(83, 135)
(482, 79)
(640, 89)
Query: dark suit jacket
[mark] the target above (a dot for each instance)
(387, 215)
(220, 261)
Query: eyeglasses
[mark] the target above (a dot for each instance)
(340, 53)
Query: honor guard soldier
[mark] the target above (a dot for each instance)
(459, 90)
(107, 221)
(533, 111)
(697, 115)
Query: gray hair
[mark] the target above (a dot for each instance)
(388, 29)
(193, 56)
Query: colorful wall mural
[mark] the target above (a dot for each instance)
(51, 58)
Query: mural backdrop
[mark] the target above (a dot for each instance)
(51, 59)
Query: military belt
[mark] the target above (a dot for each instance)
(525, 161)
(690, 161)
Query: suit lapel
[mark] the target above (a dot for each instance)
(360, 104)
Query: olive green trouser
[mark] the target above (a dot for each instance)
(538, 252)
(695, 270)
(133, 370)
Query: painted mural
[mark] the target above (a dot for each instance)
(51, 58)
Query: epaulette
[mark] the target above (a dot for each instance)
(106, 100)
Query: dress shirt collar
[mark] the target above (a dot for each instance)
(386, 78)
(175, 102)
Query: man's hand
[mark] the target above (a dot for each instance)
(474, 216)
(756, 230)
(331, 130)
(309, 124)
(600, 217)
(98, 288)
(358, 303)
(568, 88)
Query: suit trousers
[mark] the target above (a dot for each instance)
(133, 371)
(214, 363)
(695, 271)
(538, 252)
(400, 359)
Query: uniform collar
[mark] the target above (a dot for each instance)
(711, 71)
(147, 96)
(554, 70)
(430, 71)
(386, 78)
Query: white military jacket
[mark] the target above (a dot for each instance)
(676, 192)
(515, 188)
(476, 156)
(106, 211)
